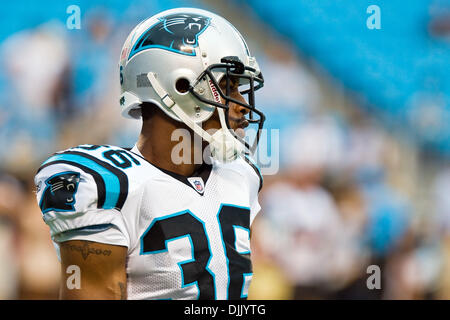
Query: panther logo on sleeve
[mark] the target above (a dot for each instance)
(175, 32)
(59, 192)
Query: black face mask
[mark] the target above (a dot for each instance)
(235, 70)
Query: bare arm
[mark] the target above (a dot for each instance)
(102, 270)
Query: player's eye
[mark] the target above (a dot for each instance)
(234, 83)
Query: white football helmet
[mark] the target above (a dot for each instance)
(175, 61)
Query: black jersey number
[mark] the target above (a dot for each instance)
(120, 158)
(239, 265)
(196, 271)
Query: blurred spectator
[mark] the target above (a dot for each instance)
(38, 56)
(29, 268)
(12, 194)
(350, 193)
(39, 267)
(441, 198)
(37, 66)
(316, 247)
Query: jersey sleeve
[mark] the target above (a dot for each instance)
(80, 198)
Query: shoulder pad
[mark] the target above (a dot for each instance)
(99, 164)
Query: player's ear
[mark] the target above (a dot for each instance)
(148, 110)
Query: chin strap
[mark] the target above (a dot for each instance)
(224, 147)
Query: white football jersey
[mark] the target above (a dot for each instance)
(187, 237)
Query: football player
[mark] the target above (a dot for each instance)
(138, 223)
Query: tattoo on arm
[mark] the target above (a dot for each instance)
(86, 249)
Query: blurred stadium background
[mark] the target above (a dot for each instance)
(364, 126)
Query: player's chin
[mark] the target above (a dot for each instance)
(239, 128)
(240, 132)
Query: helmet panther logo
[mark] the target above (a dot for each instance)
(176, 32)
(59, 194)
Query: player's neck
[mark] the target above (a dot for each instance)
(157, 147)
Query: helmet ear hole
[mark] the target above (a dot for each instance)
(182, 85)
